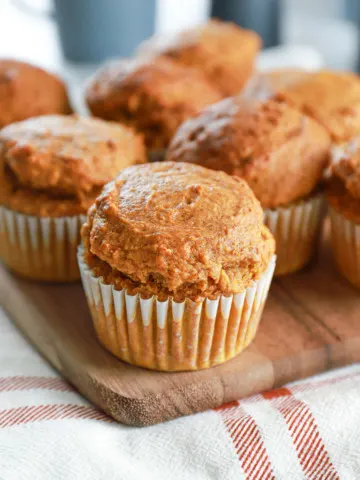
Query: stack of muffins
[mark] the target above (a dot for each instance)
(177, 255)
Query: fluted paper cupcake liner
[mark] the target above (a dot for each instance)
(172, 336)
(296, 229)
(345, 239)
(41, 248)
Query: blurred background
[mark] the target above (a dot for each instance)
(73, 36)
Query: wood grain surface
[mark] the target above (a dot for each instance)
(311, 324)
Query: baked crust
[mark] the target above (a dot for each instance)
(28, 91)
(152, 96)
(224, 52)
(280, 152)
(180, 230)
(56, 165)
(331, 98)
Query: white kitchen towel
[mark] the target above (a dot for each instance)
(308, 430)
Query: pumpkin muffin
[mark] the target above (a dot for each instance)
(154, 97)
(222, 51)
(331, 98)
(176, 264)
(266, 85)
(51, 170)
(343, 194)
(280, 152)
(28, 91)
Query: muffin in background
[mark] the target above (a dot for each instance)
(331, 98)
(343, 194)
(222, 51)
(28, 91)
(265, 85)
(176, 264)
(281, 154)
(51, 169)
(152, 96)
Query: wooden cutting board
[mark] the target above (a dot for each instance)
(311, 324)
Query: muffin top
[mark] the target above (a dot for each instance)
(280, 152)
(344, 185)
(154, 97)
(265, 85)
(224, 52)
(180, 230)
(28, 91)
(331, 98)
(55, 165)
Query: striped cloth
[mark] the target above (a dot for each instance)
(307, 430)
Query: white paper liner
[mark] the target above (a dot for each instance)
(42, 248)
(345, 238)
(173, 336)
(296, 229)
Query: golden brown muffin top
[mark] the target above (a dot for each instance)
(331, 98)
(223, 51)
(154, 97)
(265, 85)
(61, 162)
(344, 185)
(280, 152)
(180, 230)
(28, 91)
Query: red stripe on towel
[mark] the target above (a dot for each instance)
(21, 383)
(310, 447)
(21, 415)
(247, 441)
